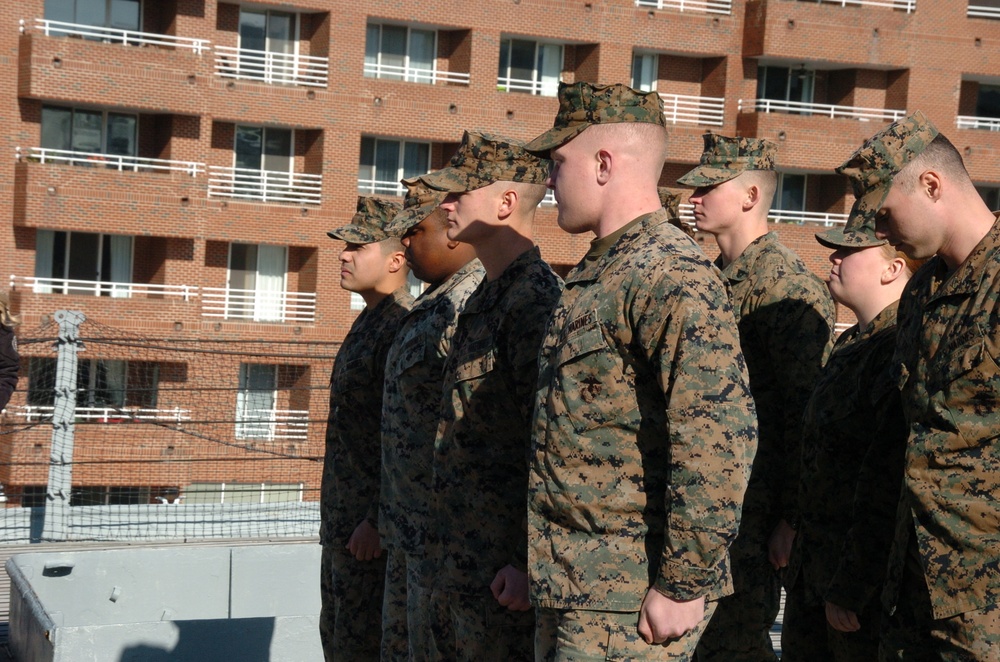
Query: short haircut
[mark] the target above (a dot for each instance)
(391, 245)
(529, 194)
(890, 253)
(940, 155)
(766, 182)
(651, 137)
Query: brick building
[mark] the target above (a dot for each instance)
(173, 165)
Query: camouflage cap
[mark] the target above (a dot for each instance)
(584, 104)
(727, 158)
(872, 168)
(483, 159)
(420, 202)
(371, 223)
(671, 201)
(843, 238)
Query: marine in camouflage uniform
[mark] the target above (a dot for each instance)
(786, 318)
(943, 583)
(351, 589)
(480, 455)
(854, 435)
(644, 425)
(411, 409)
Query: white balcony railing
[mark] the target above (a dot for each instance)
(547, 88)
(101, 288)
(380, 187)
(273, 424)
(107, 161)
(682, 109)
(702, 6)
(264, 185)
(115, 36)
(820, 110)
(258, 305)
(36, 413)
(413, 74)
(550, 198)
(907, 5)
(271, 67)
(781, 216)
(973, 122)
(982, 11)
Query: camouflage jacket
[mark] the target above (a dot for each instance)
(786, 319)
(644, 429)
(852, 467)
(349, 491)
(949, 349)
(481, 451)
(411, 407)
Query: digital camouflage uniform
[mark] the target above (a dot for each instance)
(644, 428)
(943, 583)
(854, 435)
(351, 590)
(411, 408)
(10, 363)
(480, 455)
(786, 319)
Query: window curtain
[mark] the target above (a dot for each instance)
(44, 243)
(121, 266)
(269, 294)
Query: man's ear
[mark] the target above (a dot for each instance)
(605, 161)
(397, 260)
(507, 203)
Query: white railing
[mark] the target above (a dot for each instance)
(107, 161)
(271, 67)
(543, 88)
(685, 211)
(273, 424)
(704, 6)
(800, 217)
(101, 288)
(550, 198)
(683, 109)
(380, 187)
(414, 74)
(973, 122)
(258, 305)
(820, 110)
(908, 5)
(115, 36)
(264, 185)
(982, 11)
(35, 413)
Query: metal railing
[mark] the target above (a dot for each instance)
(273, 424)
(264, 185)
(683, 109)
(703, 6)
(820, 110)
(982, 11)
(117, 162)
(549, 198)
(380, 187)
(973, 122)
(414, 74)
(115, 36)
(543, 88)
(101, 288)
(258, 305)
(908, 5)
(800, 217)
(112, 414)
(271, 66)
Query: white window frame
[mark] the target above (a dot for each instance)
(117, 289)
(408, 75)
(650, 62)
(538, 86)
(374, 187)
(779, 190)
(247, 426)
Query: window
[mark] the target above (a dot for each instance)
(243, 492)
(256, 284)
(100, 383)
(791, 193)
(529, 66)
(399, 52)
(89, 131)
(263, 159)
(270, 37)
(786, 84)
(990, 195)
(83, 263)
(255, 401)
(644, 71)
(988, 101)
(385, 162)
(33, 496)
(118, 14)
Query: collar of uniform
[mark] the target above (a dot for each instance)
(399, 294)
(588, 271)
(428, 297)
(489, 291)
(969, 275)
(852, 338)
(741, 268)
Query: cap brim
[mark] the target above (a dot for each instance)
(554, 137)
(866, 207)
(412, 217)
(354, 234)
(451, 180)
(704, 175)
(843, 238)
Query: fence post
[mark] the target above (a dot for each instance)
(60, 483)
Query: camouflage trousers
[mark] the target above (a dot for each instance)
(468, 628)
(740, 629)
(405, 606)
(912, 634)
(569, 635)
(350, 605)
(806, 636)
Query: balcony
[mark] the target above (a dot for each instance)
(904, 5)
(265, 185)
(115, 36)
(546, 88)
(102, 288)
(700, 6)
(683, 109)
(380, 187)
(973, 122)
(271, 66)
(820, 110)
(258, 305)
(414, 74)
(108, 161)
(273, 425)
(983, 11)
(39, 413)
(781, 216)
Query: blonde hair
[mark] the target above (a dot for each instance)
(7, 318)
(890, 254)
